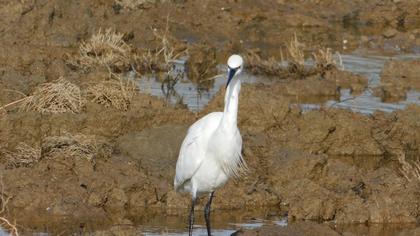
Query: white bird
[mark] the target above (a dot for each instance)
(211, 152)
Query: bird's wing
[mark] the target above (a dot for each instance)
(194, 146)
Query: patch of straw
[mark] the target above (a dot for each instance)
(3, 108)
(104, 48)
(87, 147)
(59, 96)
(4, 198)
(410, 170)
(147, 61)
(258, 65)
(161, 58)
(324, 59)
(117, 92)
(294, 48)
(23, 156)
(167, 49)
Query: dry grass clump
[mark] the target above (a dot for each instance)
(23, 156)
(164, 56)
(4, 222)
(201, 63)
(294, 67)
(147, 61)
(88, 147)
(295, 62)
(410, 170)
(59, 96)
(117, 93)
(167, 51)
(324, 59)
(105, 48)
(257, 65)
(297, 57)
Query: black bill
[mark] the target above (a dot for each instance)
(231, 73)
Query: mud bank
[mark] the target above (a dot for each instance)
(105, 166)
(397, 78)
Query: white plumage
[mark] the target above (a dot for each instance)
(204, 165)
(211, 152)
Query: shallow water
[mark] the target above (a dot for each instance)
(226, 230)
(196, 97)
(366, 102)
(155, 223)
(224, 223)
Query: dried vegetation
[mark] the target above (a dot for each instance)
(23, 156)
(116, 92)
(324, 59)
(409, 169)
(294, 64)
(271, 66)
(147, 61)
(80, 146)
(163, 57)
(88, 147)
(105, 48)
(62, 96)
(297, 57)
(56, 97)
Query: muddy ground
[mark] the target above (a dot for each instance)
(110, 164)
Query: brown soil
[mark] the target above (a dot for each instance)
(103, 163)
(319, 88)
(347, 161)
(397, 78)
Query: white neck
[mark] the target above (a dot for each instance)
(230, 113)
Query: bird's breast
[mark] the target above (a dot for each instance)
(224, 145)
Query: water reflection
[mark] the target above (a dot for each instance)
(194, 96)
(221, 229)
(228, 229)
(158, 223)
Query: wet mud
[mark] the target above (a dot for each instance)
(397, 78)
(106, 166)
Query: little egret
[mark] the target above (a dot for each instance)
(211, 152)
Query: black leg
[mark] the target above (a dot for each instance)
(191, 220)
(207, 214)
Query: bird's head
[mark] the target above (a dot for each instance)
(235, 65)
